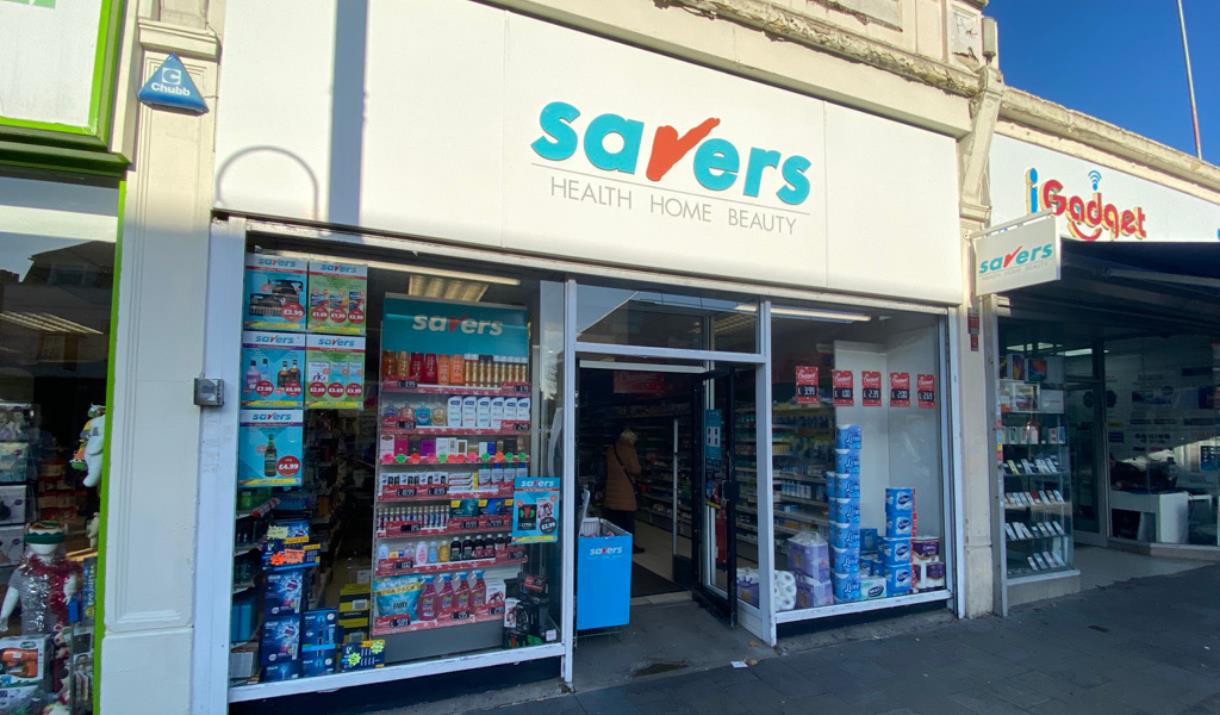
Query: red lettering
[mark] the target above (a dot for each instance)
(668, 147)
(1008, 258)
(1139, 223)
(1051, 198)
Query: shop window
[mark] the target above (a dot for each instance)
(398, 466)
(57, 247)
(858, 470)
(623, 316)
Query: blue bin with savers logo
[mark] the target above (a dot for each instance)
(603, 575)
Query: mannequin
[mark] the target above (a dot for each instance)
(44, 583)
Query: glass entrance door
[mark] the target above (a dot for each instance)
(1086, 412)
(725, 397)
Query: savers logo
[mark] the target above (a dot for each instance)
(1087, 218)
(448, 324)
(1021, 256)
(718, 164)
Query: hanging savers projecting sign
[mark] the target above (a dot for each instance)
(445, 329)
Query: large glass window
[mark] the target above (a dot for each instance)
(625, 316)
(57, 247)
(858, 471)
(399, 462)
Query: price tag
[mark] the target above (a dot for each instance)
(806, 384)
(926, 386)
(871, 387)
(844, 383)
(900, 389)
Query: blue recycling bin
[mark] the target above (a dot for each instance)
(603, 575)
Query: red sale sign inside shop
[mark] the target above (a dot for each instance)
(900, 389)
(806, 384)
(871, 387)
(844, 383)
(926, 386)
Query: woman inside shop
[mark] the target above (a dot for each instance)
(622, 473)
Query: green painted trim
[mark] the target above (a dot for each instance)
(101, 95)
(58, 158)
(99, 611)
(34, 135)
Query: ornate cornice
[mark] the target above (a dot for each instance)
(1028, 110)
(784, 24)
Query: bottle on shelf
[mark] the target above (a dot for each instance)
(427, 600)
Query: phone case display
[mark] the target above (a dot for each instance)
(338, 298)
(335, 372)
(453, 440)
(18, 434)
(1033, 452)
(274, 368)
(274, 291)
(270, 453)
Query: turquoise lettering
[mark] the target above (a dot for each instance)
(796, 189)
(595, 148)
(555, 121)
(716, 164)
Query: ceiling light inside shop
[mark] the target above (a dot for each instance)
(46, 323)
(830, 316)
(446, 288)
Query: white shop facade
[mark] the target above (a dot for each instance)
(583, 239)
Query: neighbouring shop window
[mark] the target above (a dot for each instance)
(858, 471)
(57, 273)
(1163, 441)
(398, 470)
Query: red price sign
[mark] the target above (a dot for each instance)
(338, 315)
(264, 388)
(317, 389)
(926, 386)
(871, 388)
(292, 389)
(288, 466)
(293, 312)
(844, 384)
(318, 313)
(806, 384)
(355, 315)
(354, 390)
(335, 389)
(900, 389)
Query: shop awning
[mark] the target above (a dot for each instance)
(1141, 288)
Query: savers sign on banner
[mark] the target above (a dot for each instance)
(1017, 257)
(443, 328)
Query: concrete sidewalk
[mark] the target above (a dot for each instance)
(1146, 646)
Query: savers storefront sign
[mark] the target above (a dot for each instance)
(1010, 257)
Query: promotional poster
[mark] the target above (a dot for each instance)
(270, 453)
(272, 369)
(536, 510)
(274, 291)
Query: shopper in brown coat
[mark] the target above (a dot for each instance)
(622, 473)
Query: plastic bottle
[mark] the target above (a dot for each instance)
(427, 600)
(421, 553)
(455, 549)
(461, 594)
(429, 375)
(252, 376)
(442, 552)
(478, 591)
(434, 552)
(444, 599)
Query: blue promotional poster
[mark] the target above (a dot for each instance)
(272, 365)
(270, 451)
(536, 510)
(274, 293)
(445, 328)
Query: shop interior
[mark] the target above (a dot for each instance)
(1111, 403)
(56, 286)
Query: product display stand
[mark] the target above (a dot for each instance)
(1036, 474)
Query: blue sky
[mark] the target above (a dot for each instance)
(1119, 60)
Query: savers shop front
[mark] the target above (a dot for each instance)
(439, 313)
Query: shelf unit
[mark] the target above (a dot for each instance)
(1033, 463)
(412, 479)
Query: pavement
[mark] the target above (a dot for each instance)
(1149, 645)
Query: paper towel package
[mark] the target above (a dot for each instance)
(784, 590)
(896, 551)
(844, 536)
(899, 525)
(925, 548)
(898, 580)
(846, 511)
(899, 500)
(847, 461)
(846, 587)
(845, 560)
(872, 587)
(809, 554)
(927, 576)
(848, 437)
(843, 486)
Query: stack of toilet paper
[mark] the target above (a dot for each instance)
(783, 590)
(927, 569)
(843, 487)
(809, 558)
(896, 546)
(747, 586)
